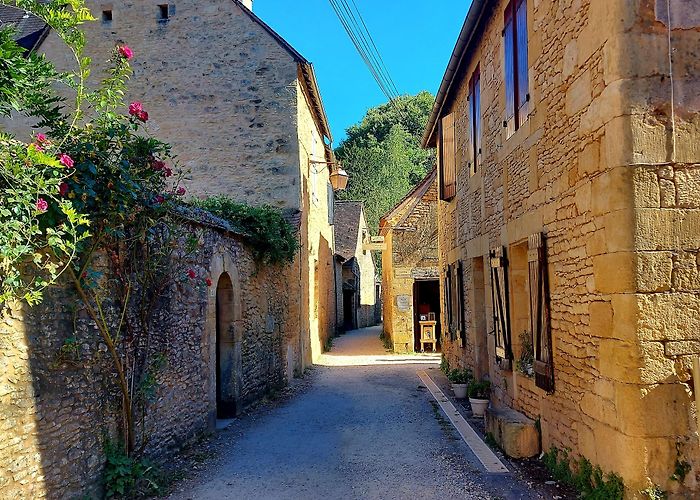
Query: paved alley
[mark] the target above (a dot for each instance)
(370, 431)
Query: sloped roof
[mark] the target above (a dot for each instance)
(346, 220)
(308, 76)
(409, 202)
(31, 30)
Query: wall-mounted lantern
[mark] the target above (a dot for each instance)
(339, 179)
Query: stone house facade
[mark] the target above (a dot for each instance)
(244, 115)
(223, 347)
(569, 166)
(410, 273)
(356, 274)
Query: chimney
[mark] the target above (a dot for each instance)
(248, 4)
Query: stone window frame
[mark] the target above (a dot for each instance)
(540, 312)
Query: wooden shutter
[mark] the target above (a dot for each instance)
(539, 312)
(448, 165)
(509, 68)
(522, 81)
(500, 301)
(448, 299)
(461, 300)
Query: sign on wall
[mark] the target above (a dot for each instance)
(403, 302)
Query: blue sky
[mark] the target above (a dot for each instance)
(415, 38)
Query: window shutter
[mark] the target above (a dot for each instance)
(509, 67)
(499, 298)
(523, 96)
(448, 169)
(460, 294)
(331, 205)
(539, 312)
(448, 298)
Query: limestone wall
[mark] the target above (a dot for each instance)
(317, 233)
(594, 168)
(58, 404)
(217, 87)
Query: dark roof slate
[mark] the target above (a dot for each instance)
(346, 220)
(31, 30)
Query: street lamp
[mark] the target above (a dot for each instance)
(339, 179)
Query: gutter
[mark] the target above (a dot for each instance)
(472, 21)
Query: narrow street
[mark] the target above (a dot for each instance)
(367, 427)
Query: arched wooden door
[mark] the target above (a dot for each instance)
(225, 365)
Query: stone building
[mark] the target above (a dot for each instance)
(356, 275)
(410, 275)
(222, 347)
(570, 210)
(243, 113)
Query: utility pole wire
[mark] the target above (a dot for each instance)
(362, 45)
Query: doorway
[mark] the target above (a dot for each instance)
(349, 310)
(426, 300)
(225, 395)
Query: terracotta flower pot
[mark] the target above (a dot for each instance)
(460, 390)
(479, 406)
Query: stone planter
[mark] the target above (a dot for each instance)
(460, 390)
(478, 406)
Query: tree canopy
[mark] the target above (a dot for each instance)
(383, 155)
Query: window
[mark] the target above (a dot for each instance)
(448, 167)
(500, 304)
(539, 312)
(475, 121)
(459, 292)
(163, 12)
(107, 16)
(515, 62)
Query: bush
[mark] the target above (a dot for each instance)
(587, 479)
(272, 238)
(128, 477)
(460, 376)
(479, 390)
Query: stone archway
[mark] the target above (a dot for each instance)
(224, 337)
(225, 349)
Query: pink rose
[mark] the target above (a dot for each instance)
(181, 191)
(208, 281)
(142, 115)
(41, 138)
(159, 199)
(66, 160)
(126, 52)
(63, 189)
(167, 171)
(191, 274)
(41, 205)
(135, 108)
(158, 165)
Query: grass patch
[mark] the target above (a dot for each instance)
(590, 481)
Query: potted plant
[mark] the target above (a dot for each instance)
(460, 379)
(479, 396)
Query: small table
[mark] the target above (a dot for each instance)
(427, 335)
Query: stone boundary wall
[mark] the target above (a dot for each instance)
(58, 406)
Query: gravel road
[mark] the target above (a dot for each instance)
(357, 432)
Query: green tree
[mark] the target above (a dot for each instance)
(383, 154)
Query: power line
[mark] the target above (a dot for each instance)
(365, 46)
